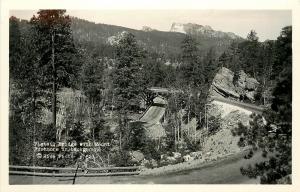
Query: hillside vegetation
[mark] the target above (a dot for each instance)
(74, 80)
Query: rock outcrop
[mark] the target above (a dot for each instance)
(136, 156)
(147, 29)
(244, 87)
(206, 30)
(223, 85)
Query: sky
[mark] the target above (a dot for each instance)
(267, 23)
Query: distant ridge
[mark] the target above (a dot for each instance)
(196, 29)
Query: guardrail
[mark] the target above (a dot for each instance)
(70, 172)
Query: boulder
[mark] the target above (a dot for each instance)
(137, 156)
(187, 158)
(251, 83)
(250, 95)
(241, 82)
(223, 86)
(196, 155)
(246, 83)
(176, 155)
(171, 159)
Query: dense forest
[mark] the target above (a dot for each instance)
(54, 55)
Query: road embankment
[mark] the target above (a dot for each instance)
(195, 164)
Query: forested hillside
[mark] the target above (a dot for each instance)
(167, 44)
(92, 80)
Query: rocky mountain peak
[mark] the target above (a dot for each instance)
(177, 27)
(196, 29)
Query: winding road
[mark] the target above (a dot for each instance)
(246, 106)
(226, 171)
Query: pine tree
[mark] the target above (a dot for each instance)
(54, 44)
(283, 52)
(27, 97)
(127, 74)
(127, 84)
(271, 133)
(14, 48)
(211, 66)
(192, 70)
(92, 78)
(265, 71)
(251, 51)
(93, 86)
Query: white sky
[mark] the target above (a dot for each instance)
(267, 23)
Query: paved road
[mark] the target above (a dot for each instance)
(226, 171)
(153, 115)
(246, 106)
(155, 112)
(152, 118)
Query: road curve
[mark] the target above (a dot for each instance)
(225, 171)
(246, 106)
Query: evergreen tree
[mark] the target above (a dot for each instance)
(192, 69)
(127, 84)
(211, 66)
(92, 78)
(127, 74)
(26, 99)
(251, 54)
(283, 52)
(15, 47)
(272, 132)
(93, 86)
(268, 56)
(223, 60)
(54, 45)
